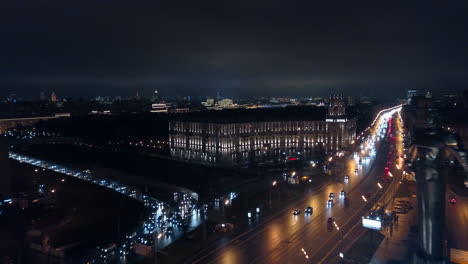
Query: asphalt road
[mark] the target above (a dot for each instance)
(456, 215)
(289, 239)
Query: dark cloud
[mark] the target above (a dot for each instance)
(262, 47)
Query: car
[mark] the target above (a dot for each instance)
(346, 178)
(342, 193)
(297, 212)
(169, 230)
(330, 202)
(405, 203)
(450, 163)
(331, 195)
(331, 219)
(355, 171)
(453, 200)
(107, 250)
(309, 210)
(401, 207)
(386, 170)
(400, 210)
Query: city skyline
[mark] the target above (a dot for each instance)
(243, 49)
(136, 132)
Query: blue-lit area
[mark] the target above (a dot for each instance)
(163, 221)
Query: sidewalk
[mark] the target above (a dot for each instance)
(394, 247)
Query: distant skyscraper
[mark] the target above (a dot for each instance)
(350, 100)
(5, 181)
(53, 97)
(42, 96)
(410, 94)
(155, 96)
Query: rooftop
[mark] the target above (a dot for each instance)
(289, 113)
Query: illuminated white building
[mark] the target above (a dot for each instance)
(158, 108)
(247, 136)
(226, 103)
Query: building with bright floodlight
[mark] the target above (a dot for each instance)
(262, 135)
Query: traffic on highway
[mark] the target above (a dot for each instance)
(313, 226)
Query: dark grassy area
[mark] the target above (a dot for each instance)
(206, 181)
(81, 212)
(365, 247)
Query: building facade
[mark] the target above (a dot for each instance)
(246, 142)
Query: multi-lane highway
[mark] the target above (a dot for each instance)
(302, 238)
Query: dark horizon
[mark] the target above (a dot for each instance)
(85, 49)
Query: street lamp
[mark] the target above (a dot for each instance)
(274, 183)
(380, 186)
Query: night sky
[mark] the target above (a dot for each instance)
(276, 48)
